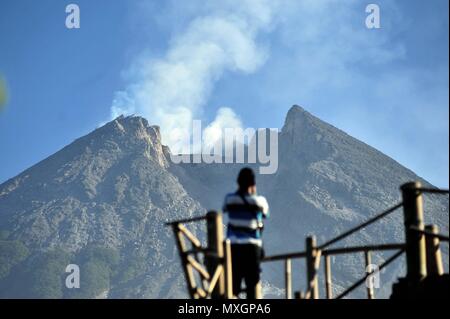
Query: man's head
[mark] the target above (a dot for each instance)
(246, 179)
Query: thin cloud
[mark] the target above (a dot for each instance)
(172, 91)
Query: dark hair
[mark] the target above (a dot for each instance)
(246, 178)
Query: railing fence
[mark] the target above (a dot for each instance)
(421, 246)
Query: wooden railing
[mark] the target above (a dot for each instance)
(421, 246)
(214, 276)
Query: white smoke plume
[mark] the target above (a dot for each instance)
(173, 90)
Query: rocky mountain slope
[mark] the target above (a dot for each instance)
(110, 189)
(102, 201)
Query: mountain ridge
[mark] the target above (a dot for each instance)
(111, 191)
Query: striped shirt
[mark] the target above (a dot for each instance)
(245, 217)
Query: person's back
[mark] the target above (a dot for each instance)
(246, 211)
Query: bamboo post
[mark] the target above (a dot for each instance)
(415, 242)
(328, 283)
(369, 286)
(215, 250)
(288, 278)
(227, 266)
(434, 257)
(258, 290)
(311, 271)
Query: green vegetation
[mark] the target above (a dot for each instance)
(38, 276)
(100, 253)
(11, 254)
(133, 267)
(4, 234)
(42, 274)
(97, 266)
(46, 276)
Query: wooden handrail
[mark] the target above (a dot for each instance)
(284, 256)
(186, 220)
(432, 190)
(357, 249)
(218, 272)
(428, 233)
(337, 251)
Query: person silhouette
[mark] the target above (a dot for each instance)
(246, 211)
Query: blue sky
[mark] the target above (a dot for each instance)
(388, 87)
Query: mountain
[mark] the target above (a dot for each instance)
(110, 193)
(101, 202)
(326, 183)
